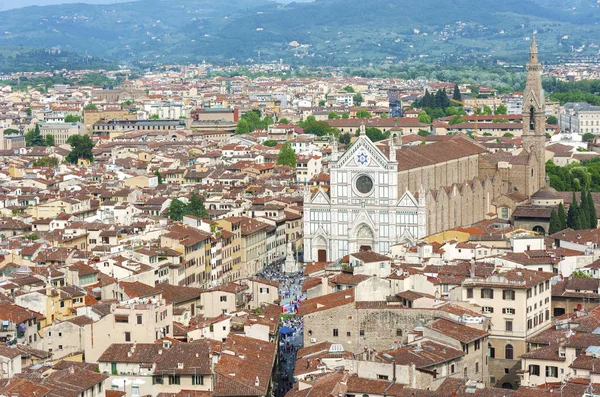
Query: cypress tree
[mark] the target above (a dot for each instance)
(456, 95)
(445, 99)
(593, 217)
(562, 217)
(581, 221)
(554, 222)
(572, 214)
(584, 210)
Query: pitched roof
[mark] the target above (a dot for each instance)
(327, 302)
(460, 332)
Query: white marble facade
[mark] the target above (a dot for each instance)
(363, 209)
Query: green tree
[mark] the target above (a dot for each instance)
(270, 143)
(11, 131)
(375, 134)
(552, 120)
(358, 99)
(457, 120)
(487, 134)
(46, 162)
(28, 112)
(81, 148)
(345, 115)
(268, 120)
(487, 110)
(159, 176)
(562, 217)
(423, 133)
(287, 156)
(588, 136)
(317, 128)
(90, 106)
(456, 94)
(283, 120)
(176, 210)
(333, 116)
(580, 274)
(424, 118)
(584, 208)
(349, 89)
(508, 135)
(242, 127)
(322, 103)
(501, 109)
(554, 222)
(33, 137)
(363, 114)
(500, 120)
(50, 140)
(572, 214)
(592, 215)
(451, 111)
(72, 118)
(154, 117)
(345, 138)
(31, 236)
(196, 207)
(384, 116)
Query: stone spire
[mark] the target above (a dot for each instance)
(533, 50)
(363, 131)
(534, 121)
(392, 148)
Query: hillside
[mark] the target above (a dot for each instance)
(335, 32)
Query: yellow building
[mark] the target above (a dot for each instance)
(232, 247)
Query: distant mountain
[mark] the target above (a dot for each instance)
(335, 32)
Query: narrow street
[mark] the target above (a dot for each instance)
(291, 328)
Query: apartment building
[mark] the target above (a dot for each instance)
(518, 304)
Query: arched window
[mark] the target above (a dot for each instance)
(531, 119)
(508, 352)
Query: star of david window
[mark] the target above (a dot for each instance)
(362, 158)
(364, 184)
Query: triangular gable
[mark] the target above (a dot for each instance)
(320, 198)
(532, 98)
(362, 144)
(407, 237)
(407, 200)
(363, 217)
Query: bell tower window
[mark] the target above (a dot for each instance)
(531, 119)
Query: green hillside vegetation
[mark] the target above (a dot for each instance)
(329, 32)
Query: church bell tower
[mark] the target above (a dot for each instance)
(534, 121)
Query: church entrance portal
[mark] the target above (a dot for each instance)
(364, 238)
(322, 255)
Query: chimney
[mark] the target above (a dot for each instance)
(453, 392)
(256, 382)
(529, 248)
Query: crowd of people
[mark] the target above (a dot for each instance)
(290, 289)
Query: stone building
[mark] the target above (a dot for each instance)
(381, 195)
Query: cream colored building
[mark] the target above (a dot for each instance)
(518, 304)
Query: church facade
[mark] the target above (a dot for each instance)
(364, 208)
(383, 194)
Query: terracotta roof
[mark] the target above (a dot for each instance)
(327, 302)
(460, 332)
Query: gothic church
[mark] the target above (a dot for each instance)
(383, 194)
